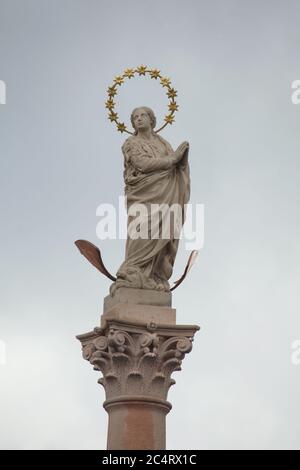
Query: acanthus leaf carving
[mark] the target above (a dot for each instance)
(138, 362)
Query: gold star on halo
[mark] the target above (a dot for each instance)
(113, 116)
(169, 118)
(173, 106)
(129, 73)
(121, 127)
(112, 91)
(165, 82)
(172, 93)
(142, 69)
(110, 104)
(119, 80)
(154, 73)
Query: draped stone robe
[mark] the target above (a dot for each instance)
(151, 177)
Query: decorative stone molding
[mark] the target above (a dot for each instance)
(137, 360)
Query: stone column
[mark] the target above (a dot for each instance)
(137, 354)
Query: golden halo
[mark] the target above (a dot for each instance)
(129, 73)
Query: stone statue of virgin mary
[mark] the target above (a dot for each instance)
(155, 176)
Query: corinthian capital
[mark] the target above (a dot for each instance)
(137, 360)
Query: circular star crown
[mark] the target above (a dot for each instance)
(142, 70)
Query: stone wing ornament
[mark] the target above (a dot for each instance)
(92, 253)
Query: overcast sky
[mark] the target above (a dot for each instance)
(233, 63)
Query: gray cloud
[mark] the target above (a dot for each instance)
(233, 64)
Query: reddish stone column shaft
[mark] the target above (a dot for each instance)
(136, 423)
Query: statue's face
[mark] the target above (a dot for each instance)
(141, 119)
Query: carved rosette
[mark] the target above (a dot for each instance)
(136, 363)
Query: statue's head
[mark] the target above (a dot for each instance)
(142, 118)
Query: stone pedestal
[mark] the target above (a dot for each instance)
(137, 348)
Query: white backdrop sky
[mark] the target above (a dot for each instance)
(232, 63)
